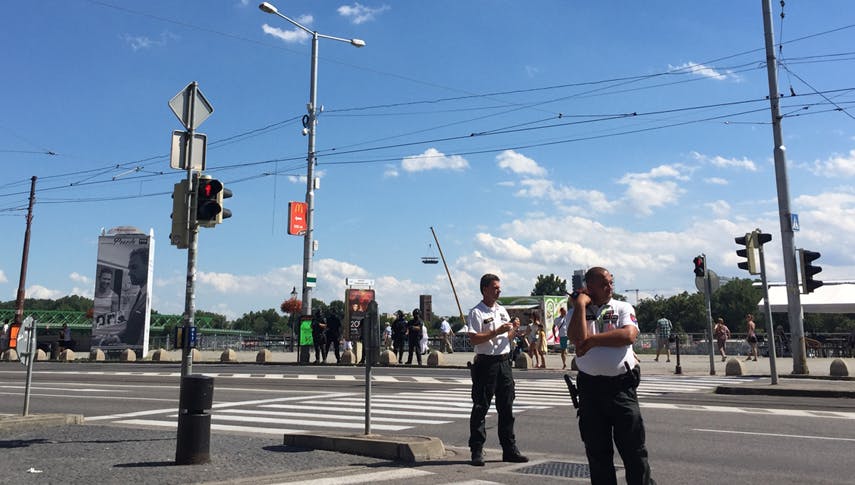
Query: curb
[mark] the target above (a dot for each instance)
(408, 449)
(778, 391)
(18, 423)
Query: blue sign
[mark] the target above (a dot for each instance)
(794, 222)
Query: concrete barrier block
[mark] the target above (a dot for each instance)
(734, 367)
(263, 356)
(96, 355)
(348, 357)
(66, 355)
(42, 355)
(196, 355)
(387, 357)
(9, 355)
(160, 355)
(128, 355)
(228, 355)
(435, 358)
(838, 368)
(523, 361)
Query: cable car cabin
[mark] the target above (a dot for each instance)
(430, 260)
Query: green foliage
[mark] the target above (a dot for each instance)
(265, 322)
(336, 307)
(71, 303)
(549, 285)
(217, 320)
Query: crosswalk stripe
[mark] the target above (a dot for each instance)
(304, 422)
(336, 416)
(216, 427)
(361, 409)
(384, 476)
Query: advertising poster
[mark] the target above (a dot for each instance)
(123, 282)
(355, 309)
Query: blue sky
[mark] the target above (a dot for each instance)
(535, 137)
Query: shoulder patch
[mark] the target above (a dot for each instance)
(632, 317)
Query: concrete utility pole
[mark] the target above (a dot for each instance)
(794, 304)
(22, 282)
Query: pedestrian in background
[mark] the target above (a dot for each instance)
(414, 337)
(399, 336)
(721, 334)
(447, 336)
(603, 330)
(752, 337)
(319, 338)
(491, 331)
(559, 329)
(663, 334)
(542, 347)
(333, 337)
(387, 336)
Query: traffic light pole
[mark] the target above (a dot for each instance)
(707, 298)
(794, 304)
(193, 236)
(770, 331)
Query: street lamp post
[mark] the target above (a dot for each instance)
(310, 122)
(291, 317)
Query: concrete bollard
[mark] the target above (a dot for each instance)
(10, 355)
(196, 355)
(348, 357)
(523, 361)
(66, 355)
(159, 355)
(838, 368)
(435, 358)
(228, 355)
(42, 355)
(387, 357)
(195, 399)
(734, 367)
(263, 356)
(96, 355)
(128, 355)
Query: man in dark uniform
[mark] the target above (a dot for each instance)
(415, 327)
(491, 332)
(399, 335)
(334, 336)
(319, 337)
(603, 330)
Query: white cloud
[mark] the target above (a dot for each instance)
(519, 163)
(301, 179)
(289, 36)
(358, 13)
(39, 292)
(722, 162)
(646, 191)
(531, 71)
(391, 171)
(705, 71)
(433, 159)
(836, 166)
(593, 200)
(506, 247)
(138, 42)
(716, 181)
(79, 278)
(719, 208)
(3, 277)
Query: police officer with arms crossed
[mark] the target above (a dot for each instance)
(491, 332)
(603, 331)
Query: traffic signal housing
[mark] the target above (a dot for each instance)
(700, 266)
(749, 252)
(209, 202)
(809, 270)
(180, 234)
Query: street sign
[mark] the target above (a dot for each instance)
(25, 350)
(359, 282)
(715, 282)
(178, 155)
(794, 222)
(311, 280)
(191, 110)
(297, 218)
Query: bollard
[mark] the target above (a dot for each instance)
(194, 420)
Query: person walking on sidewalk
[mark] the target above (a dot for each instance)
(721, 334)
(752, 337)
(559, 327)
(491, 332)
(663, 335)
(603, 330)
(447, 336)
(415, 327)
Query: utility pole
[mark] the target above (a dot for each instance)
(22, 282)
(794, 304)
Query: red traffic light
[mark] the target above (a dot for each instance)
(700, 266)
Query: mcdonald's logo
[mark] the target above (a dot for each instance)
(297, 218)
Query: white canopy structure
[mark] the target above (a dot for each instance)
(829, 298)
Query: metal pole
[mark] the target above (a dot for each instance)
(310, 178)
(708, 298)
(22, 282)
(193, 233)
(794, 304)
(459, 309)
(31, 350)
(679, 368)
(770, 331)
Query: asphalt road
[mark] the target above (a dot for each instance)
(693, 434)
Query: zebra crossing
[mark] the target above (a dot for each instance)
(390, 411)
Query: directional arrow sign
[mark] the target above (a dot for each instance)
(191, 107)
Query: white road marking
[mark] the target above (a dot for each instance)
(776, 435)
(335, 416)
(384, 476)
(304, 422)
(770, 412)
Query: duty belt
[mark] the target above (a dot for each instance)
(491, 358)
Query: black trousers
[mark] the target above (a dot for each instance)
(608, 406)
(492, 376)
(320, 349)
(415, 345)
(399, 345)
(333, 342)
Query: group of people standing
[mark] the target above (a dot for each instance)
(721, 334)
(409, 334)
(326, 334)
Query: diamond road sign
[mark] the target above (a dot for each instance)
(191, 107)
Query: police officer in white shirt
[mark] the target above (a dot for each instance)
(603, 331)
(491, 331)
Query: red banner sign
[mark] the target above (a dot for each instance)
(296, 218)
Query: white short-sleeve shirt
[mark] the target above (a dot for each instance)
(561, 324)
(608, 361)
(483, 318)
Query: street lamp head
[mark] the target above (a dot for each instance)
(268, 8)
(357, 42)
(294, 292)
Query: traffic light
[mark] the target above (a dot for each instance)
(809, 270)
(748, 240)
(209, 202)
(180, 235)
(700, 266)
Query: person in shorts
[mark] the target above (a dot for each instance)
(559, 327)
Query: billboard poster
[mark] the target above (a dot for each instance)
(123, 283)
(355, 310)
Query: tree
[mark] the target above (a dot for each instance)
(549, 285)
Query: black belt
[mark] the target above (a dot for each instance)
(492, 358)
